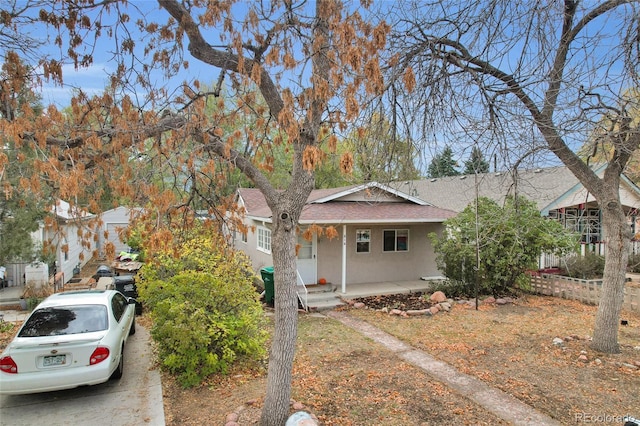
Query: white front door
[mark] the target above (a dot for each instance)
(307, 264)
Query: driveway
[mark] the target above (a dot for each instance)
(134, 400)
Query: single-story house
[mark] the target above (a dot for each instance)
(557, 192)
(383, 228)
(71, 238)
(382, 235)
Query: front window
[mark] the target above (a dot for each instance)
(264, 239)
(395, 240)
(363, 240)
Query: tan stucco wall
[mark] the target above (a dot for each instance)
(375, 266)
(258, 258)
(378, 266)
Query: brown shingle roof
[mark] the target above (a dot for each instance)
(349, 211)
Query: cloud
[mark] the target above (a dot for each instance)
(94, 70)
(91, 80)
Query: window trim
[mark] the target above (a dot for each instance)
(395, 240)
(368, 241)
(263, 240)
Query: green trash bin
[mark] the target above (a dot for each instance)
(267, 278)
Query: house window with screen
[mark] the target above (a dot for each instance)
(264, 239)
(363, 240)
(395, 240)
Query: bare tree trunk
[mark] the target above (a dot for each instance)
(605, 334)
(276, 405)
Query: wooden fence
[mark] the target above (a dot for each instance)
(586, 291)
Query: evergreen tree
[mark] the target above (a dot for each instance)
(20, 210)
(476, 163)
(443, 164)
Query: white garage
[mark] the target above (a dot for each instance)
(114, 224)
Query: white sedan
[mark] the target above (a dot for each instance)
(71, 339)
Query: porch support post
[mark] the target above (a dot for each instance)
(344, 259)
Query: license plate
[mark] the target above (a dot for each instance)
(54, 360)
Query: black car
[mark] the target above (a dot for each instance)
(126, 284)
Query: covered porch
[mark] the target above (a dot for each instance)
(329, 296)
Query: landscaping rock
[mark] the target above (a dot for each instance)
(558, 341)
(415, 313)
(301, 418)
(438, 297)
(489, 300)
(359, 305)
(445, 306)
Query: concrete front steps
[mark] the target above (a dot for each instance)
(322, 297)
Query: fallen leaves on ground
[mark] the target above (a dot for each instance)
(346, 379)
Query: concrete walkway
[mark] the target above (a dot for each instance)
(498, 402)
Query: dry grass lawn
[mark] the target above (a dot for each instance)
(346, 379)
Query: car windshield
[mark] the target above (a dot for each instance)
(60, 320)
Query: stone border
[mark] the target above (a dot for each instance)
(440, 304)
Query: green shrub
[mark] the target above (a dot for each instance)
(508, 240)
(585, 267)
(206, 316)
(453, 288)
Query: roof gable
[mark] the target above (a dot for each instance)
(371, 191)
(63, 210)
(367, 203)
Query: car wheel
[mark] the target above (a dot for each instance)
(117, 374)
(132, 330)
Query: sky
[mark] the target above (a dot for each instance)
(93, 79)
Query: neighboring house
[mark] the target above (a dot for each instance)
(72, 239)
(113, 224)
(557, 192)
(76, 237)
(382, 235)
